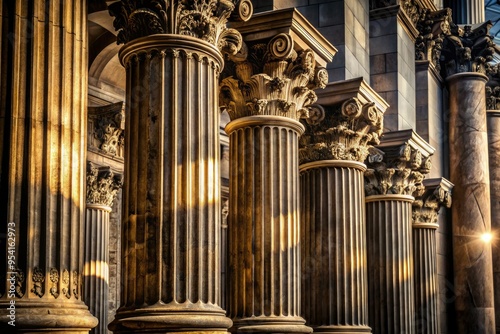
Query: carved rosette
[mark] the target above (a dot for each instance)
(433, 27)
(467, 50)
(397, 169)
(102, 185)
(271, 79)
(426, 206)
(203, 19)
(342, 132)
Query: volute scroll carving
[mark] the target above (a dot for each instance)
(341, 132)
(203, 19)
(271, 78)
(102, 185)
(436, 194)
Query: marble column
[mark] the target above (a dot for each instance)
(493, 128)
(265, 92)
(437, 194)
(394, 175)
(468, 145)
(42, 125)
(102, 187)
(171, 198)
(332, 150)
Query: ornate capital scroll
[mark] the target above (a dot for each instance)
(102, 185)
(278, 68)
(493, 87)
(344, 125)
(433, 26)
(467, 50)
(106, 128)
(398, 164)
(203, 19)
(436, 194)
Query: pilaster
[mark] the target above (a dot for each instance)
(464, 57)
(42, 150)
(425, 211)
(266, 89)
(102, 188)
(340, 129)
(394, 177)
(173, 55)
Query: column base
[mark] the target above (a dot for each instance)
(46, 317)
(271, 325)
(187, 318)
(343, 329)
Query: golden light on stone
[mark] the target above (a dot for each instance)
(486, 237)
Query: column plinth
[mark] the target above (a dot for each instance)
(471, 214)
(42, 163)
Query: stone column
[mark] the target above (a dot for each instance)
(467, 11)
(493, 128)
(265, 93)
(437, 193)
(171, 202)
(471, 216)
(333, 225)
(42, 126)
(394, 175)
(102, 187)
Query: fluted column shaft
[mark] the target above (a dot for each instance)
(95, 274)
(426, 290)
(493, 125)
(467, 11)
(390, 264)
(333, 235)
(171, 208)
(471, 215)
(264, 233)
(42, 125)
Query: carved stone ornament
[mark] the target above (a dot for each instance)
(102, 185)
(425, 208)
(467, 50)
(493, 87)
(271, 79)
(38, 277)
(412, 8)
(106, 128)
(203, 19)
(433, 27)
(398, 168)
(342, 132)
(54, 278)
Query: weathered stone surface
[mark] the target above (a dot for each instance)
(42, 150)
(333, 247)
(265, 90)
(102, 188)
(471, 214)
(171, 211)
(425, 210)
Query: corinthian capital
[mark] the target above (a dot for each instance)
(106, 128)
(102, 185)
(277, 70)
(467, 50)
(436, 194)
(493, 88)
(345, 123)
(398, 164)
(203, 19)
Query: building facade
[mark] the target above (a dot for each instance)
(242, 166)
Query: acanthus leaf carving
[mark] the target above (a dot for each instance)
(396, 169)
(203, 19)
(102, 185)
(106, 128)
(341, 132)
(467, 50)
(270, 78)
(37, 278)
(436, 194)
(493, 87)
